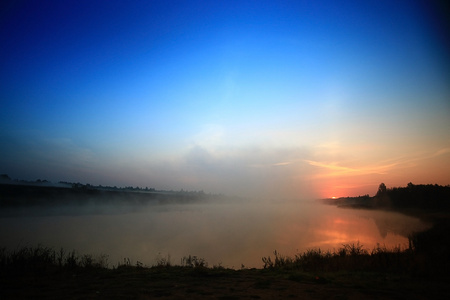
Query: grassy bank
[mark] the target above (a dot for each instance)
(351, 272)
(351, 257)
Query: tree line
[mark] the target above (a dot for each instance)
(426, 196)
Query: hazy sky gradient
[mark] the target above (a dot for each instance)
(303, 98)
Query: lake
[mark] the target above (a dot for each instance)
(231, 234)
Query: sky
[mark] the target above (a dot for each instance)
(287, 99)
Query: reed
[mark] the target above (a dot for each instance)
(353, 257)
(41, 259)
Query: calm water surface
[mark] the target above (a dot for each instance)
(232, 234)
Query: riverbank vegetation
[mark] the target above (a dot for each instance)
(351, 272)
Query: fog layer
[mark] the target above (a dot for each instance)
(230, 234)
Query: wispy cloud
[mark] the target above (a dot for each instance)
(440, 152)
(331, 166)
(334, 169)
(382, 167)
(285, 163)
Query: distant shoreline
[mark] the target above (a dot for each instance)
(428, 202)
(23, 195)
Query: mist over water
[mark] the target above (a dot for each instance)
(228, 233)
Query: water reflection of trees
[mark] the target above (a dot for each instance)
(388, 222)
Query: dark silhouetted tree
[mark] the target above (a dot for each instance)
(381, 189)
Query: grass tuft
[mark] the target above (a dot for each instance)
(350, 257)
(40, 259)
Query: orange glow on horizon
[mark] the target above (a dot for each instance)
(362, 176)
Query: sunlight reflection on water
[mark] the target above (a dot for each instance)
(231, 234)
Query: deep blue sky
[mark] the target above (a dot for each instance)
(306, 97)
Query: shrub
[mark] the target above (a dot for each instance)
(193, 262)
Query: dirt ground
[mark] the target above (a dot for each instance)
(188, 283)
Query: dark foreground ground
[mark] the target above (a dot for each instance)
(202, 283)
